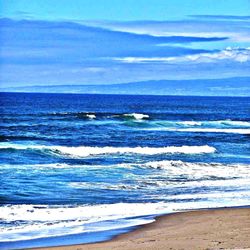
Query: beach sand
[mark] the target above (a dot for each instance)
(227, 228)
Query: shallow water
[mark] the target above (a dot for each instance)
(96, 165)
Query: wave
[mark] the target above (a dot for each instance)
(83, 151)
(216, 123)
(193, 169)
(20, 137)
(136, 116)
(56, 213)
(174, 165)
(215, 130)
(182, 174)
(190, 123)
(132, 116)
(151, 120)
(87, 115)
(100, 115)
(92, 115)
(48, 221)
(234, 123)
(204, 123)
(166, 174)
(222, 126)
(203, 130)
(177, 165)
(25, 222)
(45, 166)
(39, 221)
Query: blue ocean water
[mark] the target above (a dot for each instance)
(82, 168)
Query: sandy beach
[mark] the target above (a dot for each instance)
(227, 228)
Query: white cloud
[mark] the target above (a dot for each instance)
(231, 54)
(236, 31)
(235, 54)
(143, 59)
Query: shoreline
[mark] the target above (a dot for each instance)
(220, 228)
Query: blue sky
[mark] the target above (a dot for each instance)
(121, 10)
(112, 41)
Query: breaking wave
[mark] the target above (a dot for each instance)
(226, 123)
(83, 151)
(51, 221)
(136, 116)
(200, 168)
(206, 130)
(190, 123)
(58, 220)
(235, 123)
(132, 116)
(48, 221)
(87, 115)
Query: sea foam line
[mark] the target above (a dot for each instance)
(47, 221)
(164, 164)
(203, 130)
(133, 116)
(41, 220)
(83, 151)
(215, 130)
(215, 123)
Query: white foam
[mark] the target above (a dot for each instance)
(83, 151)
(91, 116)
(219, 124)
(216, 130)
(211, 195)
(204, 130)
(191, 170)
(46, 221)
(44, 213)
(190, 123)
(178, 175)
(137, 116)
(234, 123)
(192, 174)
(197, 170)
(88, 151)
(106, 186)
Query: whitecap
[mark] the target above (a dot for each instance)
(88, 151)
(136, 116)
(235, 123)
(204, 130)
(91, 116)
(47, 221)
(83, 151)
(40, 221)
(201, 169)
(190, 123)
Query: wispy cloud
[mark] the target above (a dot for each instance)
(221, 17)
(37, 52)
(233, 27)
(229, 54)
(235, 54)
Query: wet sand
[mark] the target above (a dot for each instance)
(227, 228)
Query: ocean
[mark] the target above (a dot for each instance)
(83, 168)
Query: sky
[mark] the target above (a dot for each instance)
(58, 42)
(121, 10)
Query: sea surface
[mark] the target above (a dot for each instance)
(83, 168)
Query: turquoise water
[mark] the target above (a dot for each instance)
(83, 168)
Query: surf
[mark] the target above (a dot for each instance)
(85, 151)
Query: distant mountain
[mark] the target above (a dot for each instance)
(239, 86)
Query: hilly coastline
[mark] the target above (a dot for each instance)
(239, 86)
